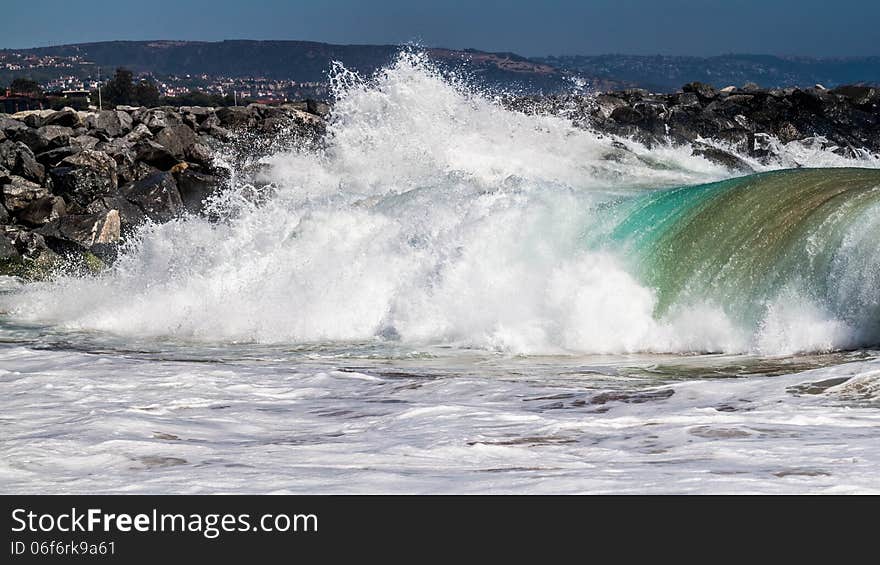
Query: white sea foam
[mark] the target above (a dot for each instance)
(433, 215)
(103, 422)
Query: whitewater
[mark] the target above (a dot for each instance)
(448, 296)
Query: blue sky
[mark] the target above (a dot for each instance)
(536, 27)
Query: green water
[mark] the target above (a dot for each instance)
(741, 242)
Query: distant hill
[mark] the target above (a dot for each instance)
(666, 73)
(307, 61)
(304, 61)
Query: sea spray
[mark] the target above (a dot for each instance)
(432, 215)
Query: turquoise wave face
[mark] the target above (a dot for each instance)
(774, 263)
(741, 243)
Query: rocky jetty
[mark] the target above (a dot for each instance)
(72, 184)
(723, 124)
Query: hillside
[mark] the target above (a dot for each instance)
(668, 73)
(303, 61)
(309, 62)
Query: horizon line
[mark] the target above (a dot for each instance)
(410, 44)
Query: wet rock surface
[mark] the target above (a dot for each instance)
(73, 184)
(745, 120)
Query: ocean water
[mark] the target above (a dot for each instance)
(452, 297)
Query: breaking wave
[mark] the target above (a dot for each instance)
(432, 215)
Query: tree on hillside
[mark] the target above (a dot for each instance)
(146, 94)
(26, 86)
(119, 89)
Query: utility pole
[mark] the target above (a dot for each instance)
(100, 105)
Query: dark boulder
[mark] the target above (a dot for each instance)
(7, 154)
(735, 102)
(317, 108)
(810, 102)
(8, 253)
(139, 133)
(11, 127)
(57, 136)
(53, 157)
(274, 124)
(67, 117)
(722, 157)
(85, 176)
(42, 211)
(31, 258)
(211, 121)
(18, 193)
(119, 148)
(652, 110)
(20, 160)
(157, 118)
(199, 112)
(28, 167)
(130, 216)
(193, 116)
(294, 121)
(786, 131)
(704, 91)
(79, 232)
(85, 141)
(155, 154)
(235, 117)
(626, 115)
(177, 139)
(157, 195)
(194, 188)
(129, 168)
(605, 104)
(200, 154)
(33, 120)
(220, 132)
(35, 260)
(131, 171)
(108, 124)
(864, 97)
(684, 100)
(632, 95)
(29, 244)
(45, 138)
